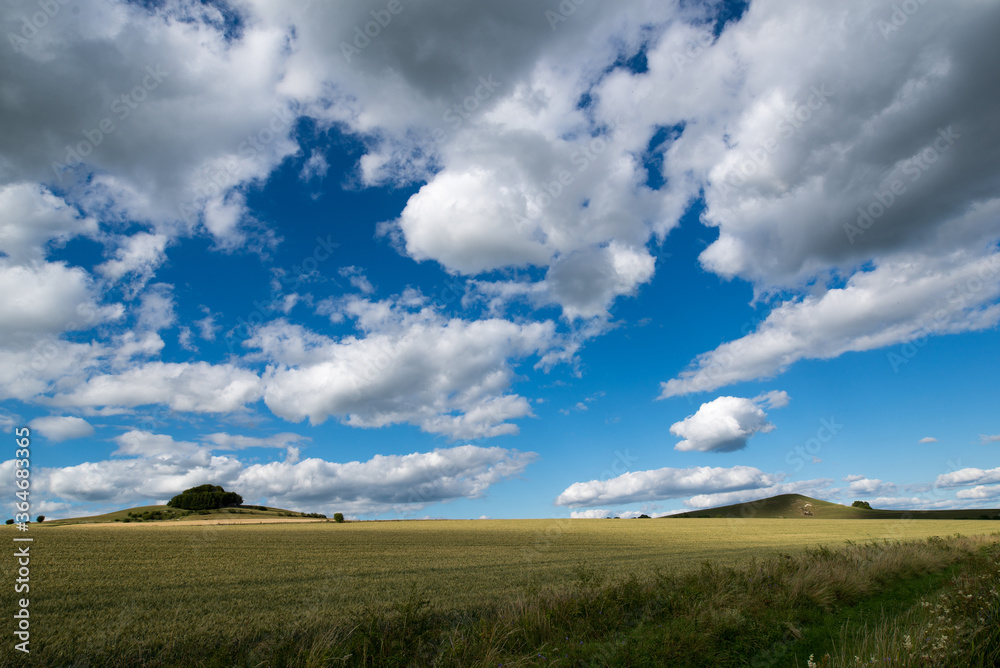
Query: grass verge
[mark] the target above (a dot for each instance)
(956, 623)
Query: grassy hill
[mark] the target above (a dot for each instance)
(796, 506)
(173, 514)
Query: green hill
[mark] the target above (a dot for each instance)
(796, 506)
(167, 515)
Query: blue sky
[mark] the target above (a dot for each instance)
(523, 260)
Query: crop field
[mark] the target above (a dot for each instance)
(95, 586)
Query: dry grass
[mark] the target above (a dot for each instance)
(473, 591)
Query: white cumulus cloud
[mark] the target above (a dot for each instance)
(725, 424)
(665, 483)
(62, 428)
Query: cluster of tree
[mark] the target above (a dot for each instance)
(205, 497)
(862, 504)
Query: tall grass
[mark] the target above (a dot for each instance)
(752, 614)
(959, 625)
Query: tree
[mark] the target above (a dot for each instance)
(861, 504)
(41, 518)
(10, 521)
(338, 517)
(205, 497)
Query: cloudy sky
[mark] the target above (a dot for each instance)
(423, 258)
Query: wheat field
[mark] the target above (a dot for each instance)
(106, 585)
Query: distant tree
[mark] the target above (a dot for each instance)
(861, 504)
(205, 497)
(41, 518)
(10, 521)
(644, 516)
(338, 517)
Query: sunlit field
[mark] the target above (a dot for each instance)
(107, 585)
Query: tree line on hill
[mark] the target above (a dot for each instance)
(205, 497)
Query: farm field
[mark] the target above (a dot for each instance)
(101, 585)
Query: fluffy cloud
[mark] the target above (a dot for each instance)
(665, 483)
(139, 112)
(398, 482)
(48, 298)
(584, 283)
(224, 441)
(62, 428)
(448, 376)
(901, 142)
(968, 476)
(725, 424)
(34, 217)
(138, 255)
(590, 514)
(146, 444)
(155, 467)
(980, 493)
(196, 387)
(864, 485)
(895, 303)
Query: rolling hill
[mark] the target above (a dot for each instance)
(796, 506)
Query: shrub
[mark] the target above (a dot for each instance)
(41, 518)
(10, 521)
(205, 497)
(861, 504)
(338, 517)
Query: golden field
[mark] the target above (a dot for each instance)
(94, 586)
